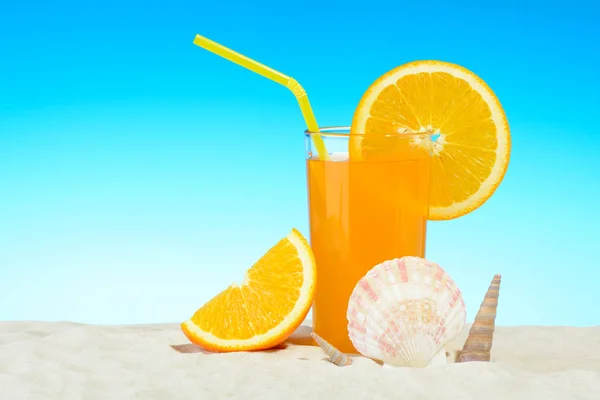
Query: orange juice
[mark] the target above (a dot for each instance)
(361, 214)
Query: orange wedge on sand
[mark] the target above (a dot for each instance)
(273, 300)
(472, 139)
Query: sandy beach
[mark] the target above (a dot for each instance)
(63, 360)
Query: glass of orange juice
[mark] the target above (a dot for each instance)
(367, 204)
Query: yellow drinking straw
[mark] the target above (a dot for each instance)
(273, 75)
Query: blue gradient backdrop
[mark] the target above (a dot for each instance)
(140, 174)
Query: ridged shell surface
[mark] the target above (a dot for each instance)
(404, 311)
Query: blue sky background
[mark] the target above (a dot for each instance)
(140, 174)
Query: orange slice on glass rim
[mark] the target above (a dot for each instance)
(273, 300)
(471, 147)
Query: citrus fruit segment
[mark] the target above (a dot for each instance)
(471, 147)
(273, 300)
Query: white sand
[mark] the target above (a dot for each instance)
(73, 361)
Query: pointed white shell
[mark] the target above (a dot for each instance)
(404, 311)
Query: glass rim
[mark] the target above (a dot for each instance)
(344, 131)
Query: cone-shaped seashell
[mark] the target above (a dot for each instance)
(336, 356)
(404, 311)
(479, 342)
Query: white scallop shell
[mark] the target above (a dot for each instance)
(404, 311)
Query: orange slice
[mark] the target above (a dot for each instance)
(266, 308)
(472, 139)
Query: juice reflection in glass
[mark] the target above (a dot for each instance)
(363, 210)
